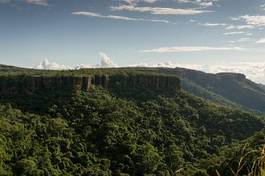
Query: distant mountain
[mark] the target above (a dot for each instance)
(225, 88)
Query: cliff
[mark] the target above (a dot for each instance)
(118, 83)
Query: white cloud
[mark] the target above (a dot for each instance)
(46, 65)
(240, 27)
(238, 33)
(106, 61)
(114, 17)
(159, 10)
(34, 2)
(83, 66)
(137, 1)
(212, 24)
(228, 26)
(261, 41)
(202, 3)
(191, 49)
(243, 39)
(258, 21)
(149, 1)
(37, 2)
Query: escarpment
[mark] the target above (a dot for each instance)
(12, 86)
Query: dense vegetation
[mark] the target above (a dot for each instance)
(99, 134)
(123, 130)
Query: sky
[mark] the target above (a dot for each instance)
(208, 35)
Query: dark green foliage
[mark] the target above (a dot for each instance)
(241, 153)
(98, 134)
(138, 124)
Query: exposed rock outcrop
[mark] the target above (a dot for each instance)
(27, 85)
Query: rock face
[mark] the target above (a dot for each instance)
(27, 85)
(13, 85)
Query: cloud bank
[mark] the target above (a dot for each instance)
(47, 65)
(105, 62)
(253, 70)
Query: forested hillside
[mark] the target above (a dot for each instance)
(139, 123)
(232, 89)
(124, 126)
(98, 134)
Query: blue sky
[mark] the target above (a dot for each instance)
(193, 33)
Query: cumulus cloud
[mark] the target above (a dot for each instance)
(114, 17)
(159, 10)
(47, 65)
(191, 49)
(106, 61)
